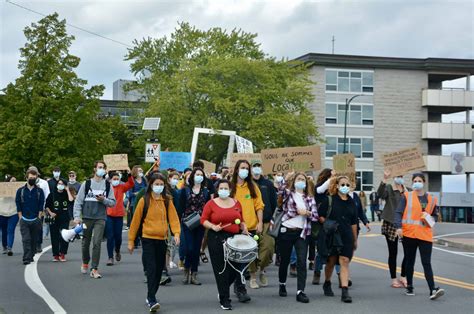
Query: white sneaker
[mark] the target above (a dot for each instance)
(173, 265)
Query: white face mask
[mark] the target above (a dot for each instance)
(278, 179)
(61, 187)
(257, 171)
(174, 182)
(140, 174)
(115, 182)
(158, 189)
(56, 174)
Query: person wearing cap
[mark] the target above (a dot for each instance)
(266, 245)
(415, 217)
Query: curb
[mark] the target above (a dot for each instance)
(457, 245)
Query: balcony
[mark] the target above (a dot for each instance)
(447, 133)
(447, 100)
(443, 163)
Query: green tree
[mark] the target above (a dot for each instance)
(222, 80)
(47, 116)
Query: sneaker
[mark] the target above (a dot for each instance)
(84, 268)
(293, 270)
(27, 262)
(311, 265)
(10, 253)
(254, 284)
(282, 291)
(173, 265)
(118, 256)
(263, 279)
(302, 297)
(181, 265)
(62, 258)
(95, 274)
(327, 289)
(226, 305)
(5, 250)
(436, 293)
(55, 258)
(410, 291)
(153, 305)
(165, 280)
(242, 295)
(316, 277)
(110, 262)
(345, 297)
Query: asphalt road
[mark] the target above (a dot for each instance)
(121, 290)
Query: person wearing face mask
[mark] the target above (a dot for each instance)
(90, 207)
(57, 205)
(114, 224)
(8, 220)
(139, 184)
(344, 212)
(219, 217)
(415, 217)
(246, 191)
(29, 201)
(392, 195)
(300, 210)
(154, 215)
(193, 198)
(266, 243)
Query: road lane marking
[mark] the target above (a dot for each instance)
(446, 281)
(465, 254)
(33, 281)
(451, 234)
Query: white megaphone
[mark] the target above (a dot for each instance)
(70, 235)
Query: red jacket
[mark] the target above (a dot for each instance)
(118, 210)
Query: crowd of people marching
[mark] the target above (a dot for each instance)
(297, 222)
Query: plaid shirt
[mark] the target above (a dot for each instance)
(291, 209)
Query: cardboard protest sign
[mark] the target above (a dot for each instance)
(344, 165)
(8, 189)
(176, 160)
(403, 161)
(116, 161)
(209, 167)
(251, 158)
(307, 158)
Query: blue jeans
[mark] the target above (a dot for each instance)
(113, 231)
(193, 240)
(7, 226)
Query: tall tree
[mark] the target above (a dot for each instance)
(222, 80)
(47, 116)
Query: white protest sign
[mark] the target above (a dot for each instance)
(244, 146)
(152, 152)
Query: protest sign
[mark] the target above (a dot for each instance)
(176, 160)
(152, 152)
(209, 167)
(403, 161)
(8, 189)
(244, 146)
(307, 158)
(344, 165)
(252, 158)
(116, 161)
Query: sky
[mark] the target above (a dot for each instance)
(286, 29)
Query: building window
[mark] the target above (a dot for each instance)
(360, 147)
(364, 180)
(349, 81)
(357, 114)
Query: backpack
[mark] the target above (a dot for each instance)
(145, 212)
(88, 187)
(22, 193)
(316, 225)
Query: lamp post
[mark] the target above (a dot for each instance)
(348, 101)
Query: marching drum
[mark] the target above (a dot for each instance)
(241, 249)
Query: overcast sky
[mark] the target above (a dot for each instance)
(289, 28)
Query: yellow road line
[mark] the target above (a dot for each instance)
(446, 281)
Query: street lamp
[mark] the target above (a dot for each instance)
(348, 101)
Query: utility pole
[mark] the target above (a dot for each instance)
(333, 40)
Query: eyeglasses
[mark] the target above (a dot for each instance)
(346, 184)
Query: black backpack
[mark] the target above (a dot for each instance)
(145, 212)
(88, 187)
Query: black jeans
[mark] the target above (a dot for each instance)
(311, 249)
(58, 244)
(286, 241)
(30, 231)
(409, 246)
(154, 256)
(392, 259)
(215, 241)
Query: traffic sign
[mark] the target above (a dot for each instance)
(152, 152)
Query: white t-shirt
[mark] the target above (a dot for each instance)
(298, 221)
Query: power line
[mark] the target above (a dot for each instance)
(71, 25)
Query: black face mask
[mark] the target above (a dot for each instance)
(32, 181)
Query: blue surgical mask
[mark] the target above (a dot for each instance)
(198, 179)
(344, 189)
(174, 182)
(399, 180)
(279, 179)
(417, 186)
(100, 172)
(243, 173)
(140, 174)
(61, 187)
(158, 189)
(115, 182)
(223, 193)
(257, 171)
(300, 185)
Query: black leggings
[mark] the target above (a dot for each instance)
(410, 246)
(392, 259)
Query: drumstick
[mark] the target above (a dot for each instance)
(237, 222)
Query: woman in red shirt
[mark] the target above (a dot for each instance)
(219, 217)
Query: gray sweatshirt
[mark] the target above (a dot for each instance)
(392, 199)
(87, 205)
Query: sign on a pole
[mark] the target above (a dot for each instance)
(244, 146)
(457, 163)
(344, 165)
(116, 161)
(403, 161)
(152, 152)
(307, 158)
(176, 160)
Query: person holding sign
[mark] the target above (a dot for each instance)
(299, 209)
(8, 220)
(415, 217)
(246, 191)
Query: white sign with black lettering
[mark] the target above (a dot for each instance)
(152, 152)
(244, 146)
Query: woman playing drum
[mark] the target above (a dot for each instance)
(223, 217)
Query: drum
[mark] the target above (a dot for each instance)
(241, 249)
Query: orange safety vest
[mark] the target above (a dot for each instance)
(412, 223)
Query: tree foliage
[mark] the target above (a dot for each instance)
(222, 80)
(47, 116)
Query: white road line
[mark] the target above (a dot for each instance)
(451, 234)
(466, 254)
(33, 281)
